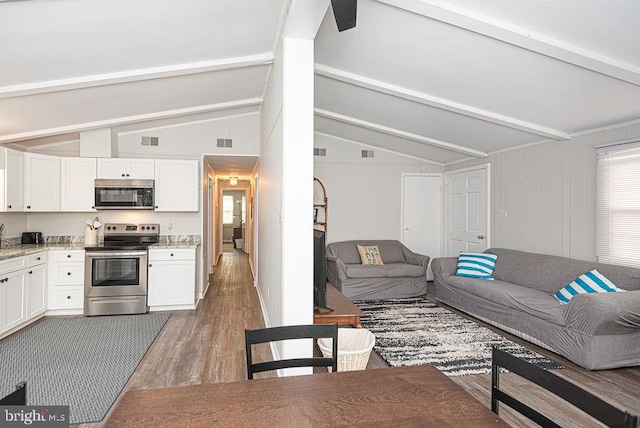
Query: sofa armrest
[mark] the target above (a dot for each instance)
(443, 267)
(415, 258)
(607, 313)
(336, 271)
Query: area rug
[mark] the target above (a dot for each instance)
(413, 332)
(83, 363)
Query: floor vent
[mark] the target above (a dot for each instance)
(367, 153)
(319, 152)
(225, 142)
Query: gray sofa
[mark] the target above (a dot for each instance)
(404, 273)
(596, 331)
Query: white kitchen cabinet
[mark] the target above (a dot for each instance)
(36, 299)
(77, 177)
(22, 290)
(125, 168)
(177, 185)
(65, 294)
(172, 279)
(13, 287)
(14, 181)
(42, 182)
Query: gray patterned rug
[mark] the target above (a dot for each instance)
(412, 332)
(83, 363)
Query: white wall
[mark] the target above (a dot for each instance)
(364, 194)
(14, 224)
(549, 192)
(194, 139)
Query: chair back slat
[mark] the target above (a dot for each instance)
(276, 334)
(570, 392)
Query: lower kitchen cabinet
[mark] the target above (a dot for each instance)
(22, 291)
(172, 279)
(66, 282)
(14, 290)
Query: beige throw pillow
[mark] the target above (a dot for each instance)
(369, 254)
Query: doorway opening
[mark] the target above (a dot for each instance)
(234, 220)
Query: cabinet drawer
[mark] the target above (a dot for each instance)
(66, 274)
(169, 254)
(10, 265)
(68, 256)
(36, 259)
(66, 297)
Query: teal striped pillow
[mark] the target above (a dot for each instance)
(590, 282)
(476, 265)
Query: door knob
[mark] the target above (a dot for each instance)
(406, 228)
(480, 236)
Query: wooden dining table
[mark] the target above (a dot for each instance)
(415, 396)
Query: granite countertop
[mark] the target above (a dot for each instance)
(12, 251)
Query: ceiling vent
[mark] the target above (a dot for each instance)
(367, 153)
(150, 141)
(225, 142)
(319, 152)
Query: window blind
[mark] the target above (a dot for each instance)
(618, 205)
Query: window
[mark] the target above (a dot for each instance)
(618, 205)
(227, 209)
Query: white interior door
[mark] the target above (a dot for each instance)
(422, 214)
(466, 208)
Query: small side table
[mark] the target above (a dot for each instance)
(344, 311)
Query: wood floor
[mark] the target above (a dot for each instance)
(207, 346)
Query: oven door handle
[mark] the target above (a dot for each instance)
(120, 254)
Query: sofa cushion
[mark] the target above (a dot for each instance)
(525, 299)
(390, 250)
(476, 265)
(587, 283)
(369, 254)
(388, 270)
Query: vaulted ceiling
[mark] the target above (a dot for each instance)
(439, 80)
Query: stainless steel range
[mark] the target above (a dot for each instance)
(115, 279)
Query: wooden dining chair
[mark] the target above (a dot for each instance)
(17, 397)
(573, 394)
(274, 334)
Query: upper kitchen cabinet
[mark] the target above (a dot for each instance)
(42, 182)
(176, 185)
(77, 184)
(125, 168)
(14, 181)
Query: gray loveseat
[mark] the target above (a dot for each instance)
(596, 331)
(403, 274)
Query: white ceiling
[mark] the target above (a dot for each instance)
(439, 80)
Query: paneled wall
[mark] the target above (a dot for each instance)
(365, 194)
(549, 194)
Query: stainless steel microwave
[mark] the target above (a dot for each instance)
(124, 194)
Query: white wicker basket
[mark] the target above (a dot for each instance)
(354, 348)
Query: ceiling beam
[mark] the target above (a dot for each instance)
(304, 18)
(135, 75)
(129, 119)
(520, 37)
(440, 103)
(399, 133)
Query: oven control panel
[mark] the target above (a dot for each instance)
(131, 229)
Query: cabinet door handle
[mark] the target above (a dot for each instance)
(69, 273)
(171, 254)
(9, 206)
(28, 207)
(150, 265)
(123, 175)
(30, 272)
(68, 297)
(37, 258)
(127, 175)
(68, 256)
